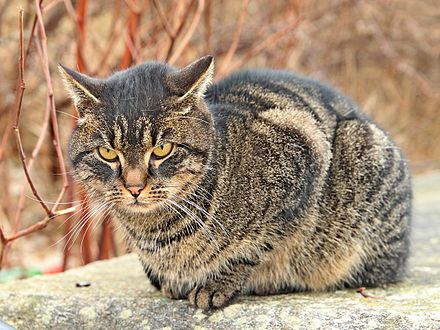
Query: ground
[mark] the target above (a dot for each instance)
(119, 296)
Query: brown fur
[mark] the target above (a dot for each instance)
(275, 183)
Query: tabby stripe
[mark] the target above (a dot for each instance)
(383, 176)
(161, 243)
(394, 186)
(195, 150)
(154, 279)
(297, 99)
(251, 100)
(79, 157)
(398, 236)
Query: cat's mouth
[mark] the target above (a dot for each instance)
(141, 206)
(137, 203)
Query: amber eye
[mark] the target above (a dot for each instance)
(163, 150)
(107, 154)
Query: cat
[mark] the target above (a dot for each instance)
(265, 182)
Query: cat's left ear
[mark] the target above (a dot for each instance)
(193, 79)
(83, 90)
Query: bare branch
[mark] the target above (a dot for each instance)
(270, 40)
(235, 39)
(22, 87)
(189, 33)
(180, 25)
(40, 225)
(163, 19)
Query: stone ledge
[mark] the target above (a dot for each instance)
(119, 296)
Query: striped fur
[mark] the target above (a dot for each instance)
(278, 182)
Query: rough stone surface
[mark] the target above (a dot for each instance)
(119, 296)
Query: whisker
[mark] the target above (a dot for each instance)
(53, 203)
(67, 114)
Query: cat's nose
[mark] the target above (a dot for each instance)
(135, 190)
(134, 181)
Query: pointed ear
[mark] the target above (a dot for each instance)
(83, 90)
(192, 79)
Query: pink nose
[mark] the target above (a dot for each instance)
(135, 191)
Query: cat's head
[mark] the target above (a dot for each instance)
(144, 135)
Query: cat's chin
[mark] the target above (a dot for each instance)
(140, 207)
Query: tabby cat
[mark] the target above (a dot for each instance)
(262, 183)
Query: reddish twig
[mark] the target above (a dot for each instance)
(189, 33)
(106, 241)
(207, 20)
(85, 249)
(364, 294)
(163, 19)
(51, 101)
(6, 134)
(399, 63)
(81, 17)
(50, 112)
(179, 29)
(30, 163)
(81, 10)
(235, 39)
(130, 51)
(22, 87)
(269, 41)
(3, 247)
(113, 36)
(41, 224)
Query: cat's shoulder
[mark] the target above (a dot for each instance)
(262, 85)
(271, 78)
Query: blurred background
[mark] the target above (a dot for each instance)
(383, 54)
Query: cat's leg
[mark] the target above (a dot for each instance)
(154, 279)
(222, 288)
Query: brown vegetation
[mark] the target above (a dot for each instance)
(384, 54)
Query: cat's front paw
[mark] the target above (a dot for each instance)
(212, 295)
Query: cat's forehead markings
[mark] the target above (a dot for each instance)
(147, 138)
(142, 125)
(120, 127)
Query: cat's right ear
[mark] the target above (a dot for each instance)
(82, 89)
(192, 79)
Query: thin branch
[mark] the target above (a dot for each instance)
(130, 51)
(399, 63)
(34, 154)
(269, 41)
(40, 225)
(6, 134)
(363, 292)
(81, 11)
(235, 39)
(51, 101)
(22, 87)
(179, 30)
(207, 20)
(163, 19)
(112, 37)
(189, 33)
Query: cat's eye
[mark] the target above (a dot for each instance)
(163, 150)
(107, 154)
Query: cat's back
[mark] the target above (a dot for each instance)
(258, 90)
